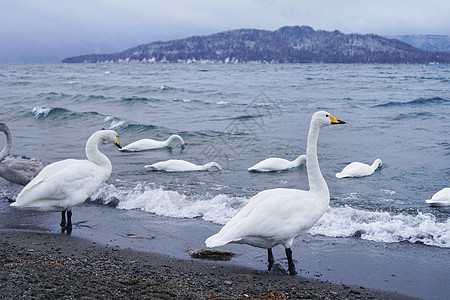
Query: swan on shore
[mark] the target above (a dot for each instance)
(17, 170)
(441, 198)
(277, 216)
(66, 183)
(272, 164)
(149, 144)
(357, 169)
(176, 165)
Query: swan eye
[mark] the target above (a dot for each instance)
(327, 116)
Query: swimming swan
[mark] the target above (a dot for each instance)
(66, 183)
(441, 198)
(175, 165)
(277, 164)
(278, 216)
(149, 144)
(17, 170)
(357, 169)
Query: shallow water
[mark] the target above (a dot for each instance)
(238, 115)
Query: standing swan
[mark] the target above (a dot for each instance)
(278, 216)
(357, 169)
(277, 164)
(17, 170)
(66, 183)
(149, 144)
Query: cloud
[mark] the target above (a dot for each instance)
(54, 29)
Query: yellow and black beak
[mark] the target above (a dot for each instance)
(117, 143)
(335, 121)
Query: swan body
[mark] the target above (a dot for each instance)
(277, 164)
(357, 169)
(441, 198)
(17, 170)
(277, 216)
(149, 144)
(175, 165)
(67, 183)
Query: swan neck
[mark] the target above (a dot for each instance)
(93, 154)
(299, 160)
(316, 181)
(7, 147)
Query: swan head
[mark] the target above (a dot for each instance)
(213, 164)
(110, 136)
(377, 163)
(323, 118)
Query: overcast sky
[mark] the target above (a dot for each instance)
(49, 30)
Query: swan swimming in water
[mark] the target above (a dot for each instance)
(66, 183)
(357, 169)
(277, 216)
(441, 198)
(17, 170)
(149, 144)
(175, 165)
(277, 164)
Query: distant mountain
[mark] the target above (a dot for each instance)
(290, 44)
(428, 42)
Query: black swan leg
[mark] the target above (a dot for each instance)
(270, 259)
(290, 262)
(63, 219)
(69, 221)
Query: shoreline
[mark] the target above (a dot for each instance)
(342, 264)
(48, 265)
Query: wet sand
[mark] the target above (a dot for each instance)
(114, 253)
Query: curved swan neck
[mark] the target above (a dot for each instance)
(376, 164)
(7, 147)
(299, 160)
(211, 165)
(174, 137)
(316, 181)
(92, 152)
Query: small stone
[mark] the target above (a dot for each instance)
(226, 282)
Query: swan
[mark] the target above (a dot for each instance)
(277, 216)
(17, 170)
(357, 169)
(277, 164)
(149, 144)
(441, 198)
(176, 165)
(66, 183)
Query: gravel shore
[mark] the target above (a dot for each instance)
(38, 265)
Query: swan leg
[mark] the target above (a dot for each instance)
(270, 259)
(290, 262)
(63, 219)
(69, 221)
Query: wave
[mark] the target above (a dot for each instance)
(384, 227)
(416, 102)
(139, 99)
(417, 115)
(42, 113)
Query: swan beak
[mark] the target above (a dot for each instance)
(335, 121)
(117, 143)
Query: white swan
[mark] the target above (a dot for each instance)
(66, 183)
(176, 165)
(17, 170)
(277, 216)
(357, 169)
(149, 144)
(277, 164)
(441, 198)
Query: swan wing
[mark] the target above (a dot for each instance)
(62, 184)
(173, 165)
(144, 144)
(355, 169)
(272, 164)
(271, 217)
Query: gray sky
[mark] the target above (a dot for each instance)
(49, 30)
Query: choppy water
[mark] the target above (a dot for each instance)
(238, 115)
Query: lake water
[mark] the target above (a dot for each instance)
(238, 115)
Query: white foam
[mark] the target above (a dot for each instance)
(384, 226)
(336, 222)
(114, 122)
(39, 111)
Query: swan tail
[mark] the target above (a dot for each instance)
(340, 175)
(215, 241)
(151, 167)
